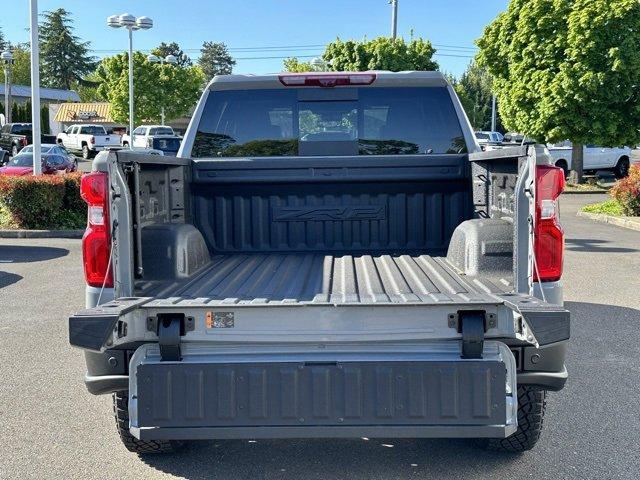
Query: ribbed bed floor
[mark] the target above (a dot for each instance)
(316, 279)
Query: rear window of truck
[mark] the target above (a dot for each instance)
(363, 121)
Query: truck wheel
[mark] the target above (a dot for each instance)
(131, 443)
(531, 406)
(86, 153)
(622, 168)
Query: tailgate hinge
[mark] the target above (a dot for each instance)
(169, 337)
(472, 325)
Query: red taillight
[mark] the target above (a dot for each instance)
(326, 80)
(548, 234)
(92, 139)
(96, 242)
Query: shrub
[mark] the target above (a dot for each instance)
(627, 192)
(47, 201)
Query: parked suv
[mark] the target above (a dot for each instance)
(328, 256)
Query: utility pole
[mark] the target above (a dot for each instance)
(394, 18)
(493, 113)
(35, 89)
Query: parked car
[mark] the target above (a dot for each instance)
(616, 160)
(88, 139)
(140, 136)
(327, 278)
(55, 159)
(15, 136)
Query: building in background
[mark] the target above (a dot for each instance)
(65, 115)
(21, 94)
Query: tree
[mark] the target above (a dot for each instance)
(65, 59)
(155, 85)
(4, 44)
(174, 49)
(292, 64)
(568, 70)
(215, 60)
(382, 53)
(476, 94)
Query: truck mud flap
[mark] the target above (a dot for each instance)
(410, 391)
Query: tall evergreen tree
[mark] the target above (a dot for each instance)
(215, 60)
(3, 42)
(65, 59)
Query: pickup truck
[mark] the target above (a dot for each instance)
(88, 139)
(330, 255)
(141, 135)
(617, 160)
(15, 136)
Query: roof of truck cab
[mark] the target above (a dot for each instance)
(383, 79)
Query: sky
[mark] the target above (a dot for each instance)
(260, 33)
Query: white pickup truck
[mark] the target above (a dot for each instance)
(88, 139)
(595, 158)
(141, 135)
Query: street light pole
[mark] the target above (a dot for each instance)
(7, 60)
(171, 59)
(35, 89)
(493, 113)
(131, 99)
(394, 18)
(131, 23)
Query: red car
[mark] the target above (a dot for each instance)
(55, 159)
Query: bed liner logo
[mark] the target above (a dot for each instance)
(329, 213)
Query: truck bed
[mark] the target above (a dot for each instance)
(323, 279)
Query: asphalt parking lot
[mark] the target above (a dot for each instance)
(52, 428)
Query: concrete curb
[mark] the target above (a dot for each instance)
(632, 223)
(41, 233)
(586, 192)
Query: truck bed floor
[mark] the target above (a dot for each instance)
(323, 279)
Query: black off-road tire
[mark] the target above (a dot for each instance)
(532, 403)
(622, 168)
(131, 443)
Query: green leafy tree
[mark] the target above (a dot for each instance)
(155, 85)
(215, 60)
(88, 89)
(174, 49)
(65, 59)
(568, 70)
(294, 65)
(475, 91)
(381, 53)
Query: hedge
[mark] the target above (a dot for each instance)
(627, 192)
(43, 202)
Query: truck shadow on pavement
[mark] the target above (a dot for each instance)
(595, 246)
(27, 254)
(329, 458)
(8, 278)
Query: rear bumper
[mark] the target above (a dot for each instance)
(381, 391)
